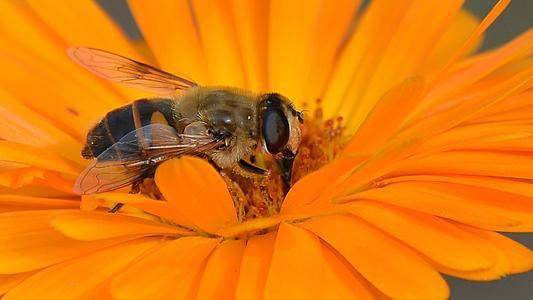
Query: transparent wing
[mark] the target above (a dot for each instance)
(135, 155)
(120, 69)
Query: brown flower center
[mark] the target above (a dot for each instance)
(322, 140)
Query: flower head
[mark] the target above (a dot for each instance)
(415, 155)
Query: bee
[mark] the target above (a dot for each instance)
(221, 124)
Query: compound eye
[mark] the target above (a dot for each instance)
(275, 129)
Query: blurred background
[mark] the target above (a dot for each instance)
(517, 18)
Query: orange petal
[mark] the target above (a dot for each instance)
(147, 204)
(490, 136)
(498, 164)
(516, 103)
(461, 28)
(21, 125)
(35, 191)
(307, 189)
(82, 277)
(89, 226)
(516, 144)
(24, 32)
(299, 213)
(222, 271)
(252, 31)
(508, 256)
(17, 203)
(103, 292)
(196, 192)
(520, 257)
(359, 58)
(386, 117)
(377, 166)
(514, 50)
(217, 34)
(86, 24)
(333, 23)
(7, 282)
(18, 153)
(459, 108)
(31, 243)
(520, 116)
(19, 177)
(297, 268)
(406, 52)
(399, 53)
(83, 23)
(342, 281)
(187, 286)
(57, 181)
(408, 142)
(160, 270)
(169, 29)
(248, 227)
(474, 38)
(508, 70)
(36, 177)
(389, 265)
(289, 45)
(71, 108)
(435, 238)
(500, 184)
(254, 266)
(439, 203)
(514, 206)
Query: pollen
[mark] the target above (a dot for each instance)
(322, 141)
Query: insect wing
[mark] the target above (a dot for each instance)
(120, 69)
(135, 155)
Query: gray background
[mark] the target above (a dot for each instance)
(517, 18)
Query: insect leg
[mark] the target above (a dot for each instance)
(253, 169)
(135, 189)
(116, 208)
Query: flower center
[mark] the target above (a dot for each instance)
(322, 140)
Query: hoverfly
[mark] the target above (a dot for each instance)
(222, 124)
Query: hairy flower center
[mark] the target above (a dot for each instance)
(322, 140)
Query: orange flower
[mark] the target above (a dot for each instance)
(436, 153)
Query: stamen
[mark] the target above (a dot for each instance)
(322, 141)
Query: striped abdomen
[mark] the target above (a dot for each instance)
(126, 119)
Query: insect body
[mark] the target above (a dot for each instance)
(224, 125)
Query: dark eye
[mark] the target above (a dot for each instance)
(275, 129)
